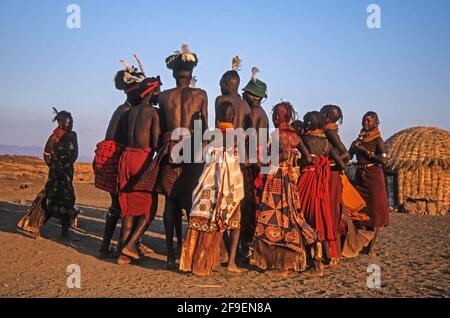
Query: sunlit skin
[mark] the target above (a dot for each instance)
(331, 117)
(229, 88)
(258, 119)
(143, 132)
(229, 85)
(368, 123)
(258, 115)
(288, 140)
(117, 133)
(178, 106)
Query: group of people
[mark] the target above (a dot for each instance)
(303, 216)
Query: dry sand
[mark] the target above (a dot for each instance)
(413, 255)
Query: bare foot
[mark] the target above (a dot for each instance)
(232, 268)
(146, 251)
(332, 263)
(314, 272)
(278, 272)
(123, 260)
(130, 252)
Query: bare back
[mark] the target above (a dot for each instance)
(117, 127)
(321, 146)
(259, 120)
(289, 141)
(242, 110)
(316, 147)
(178, 105)
(143, 127)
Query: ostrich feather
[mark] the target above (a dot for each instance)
(141, 66)
(236, 63)
(255, 71)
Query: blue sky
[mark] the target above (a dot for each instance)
(310, 53)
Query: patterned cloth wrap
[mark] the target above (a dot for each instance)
(280, 221)
(217, 197)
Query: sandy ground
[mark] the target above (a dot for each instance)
(413, 255)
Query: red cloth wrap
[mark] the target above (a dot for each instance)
(335, 192)
(106, 165)
(58, 133)
(370, 184)
(312, 188)
(133, 203)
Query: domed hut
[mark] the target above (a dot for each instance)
(418, 170)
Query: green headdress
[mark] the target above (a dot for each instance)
(255, 86)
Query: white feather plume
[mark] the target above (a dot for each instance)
(255, 71)
(236, 63)
(141, 66)
(185, 49)
(125, 65)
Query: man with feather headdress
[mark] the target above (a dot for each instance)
(229, 85)
(138, 205)
(108, 152)
(179, 108)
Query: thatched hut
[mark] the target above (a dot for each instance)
(418, 170)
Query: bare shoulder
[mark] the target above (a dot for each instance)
(259, 111)
(244, 106)
(121, 110)
(167, 91)
(198, 91)
(123, 107)
(221, 98)
(163, 95)
(149, 109)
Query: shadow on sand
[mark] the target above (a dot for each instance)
(87, 237)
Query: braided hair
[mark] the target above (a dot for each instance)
(325, 110)
(291, 114)
(313, 120)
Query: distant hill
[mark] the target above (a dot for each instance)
(33, 151)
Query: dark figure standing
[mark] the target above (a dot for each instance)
(57, 199)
